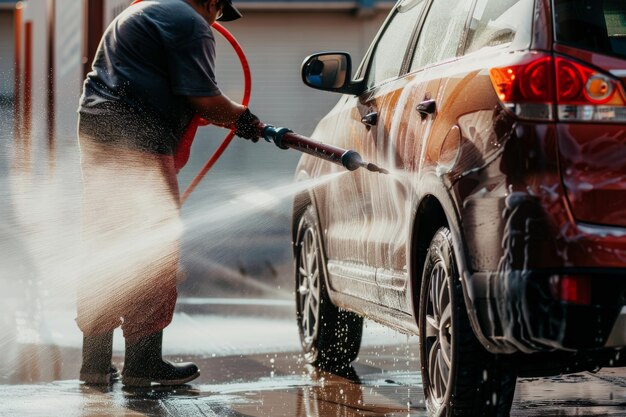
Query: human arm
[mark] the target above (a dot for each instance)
(218, 110)
(222, 111)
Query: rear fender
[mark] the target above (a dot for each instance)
(432, 190)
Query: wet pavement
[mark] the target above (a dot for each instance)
(247, 350)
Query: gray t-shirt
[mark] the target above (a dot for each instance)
(151, 57)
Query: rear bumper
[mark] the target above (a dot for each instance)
(518, 311)
(513, 300)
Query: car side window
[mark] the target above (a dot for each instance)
(496, 22)
(441, 33)
(389, 53)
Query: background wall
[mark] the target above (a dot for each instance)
(68, 66)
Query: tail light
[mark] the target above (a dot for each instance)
(534, 89)
(575, 289)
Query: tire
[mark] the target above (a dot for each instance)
(330, 336)
(459, 376)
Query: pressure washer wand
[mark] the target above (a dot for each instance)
(285, 138)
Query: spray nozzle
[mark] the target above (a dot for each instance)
(376, 168)
(352, 160)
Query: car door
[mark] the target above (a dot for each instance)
(355, 217)
(409, 114)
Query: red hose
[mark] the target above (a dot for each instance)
(197, 120)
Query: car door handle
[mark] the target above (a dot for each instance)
(370, 119)
(426, 107)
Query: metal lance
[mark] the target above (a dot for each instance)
(286, 139)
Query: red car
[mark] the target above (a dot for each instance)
(499, 236)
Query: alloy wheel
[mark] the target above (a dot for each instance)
(438, 333)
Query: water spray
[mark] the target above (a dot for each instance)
(285, 139)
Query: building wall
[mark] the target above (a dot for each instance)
(276, 44)
(68, 66)
(7, 53)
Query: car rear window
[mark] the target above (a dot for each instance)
(594, 25)
(498, 22)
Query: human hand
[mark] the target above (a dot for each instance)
(246, 126)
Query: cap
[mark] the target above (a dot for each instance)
(229, 12)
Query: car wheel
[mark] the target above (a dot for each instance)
(330, 336)
(459, 376)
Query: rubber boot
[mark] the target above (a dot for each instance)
(97, 353)
(144, 365)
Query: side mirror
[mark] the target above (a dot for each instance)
(329, 71)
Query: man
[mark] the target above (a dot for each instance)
(154, 69)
